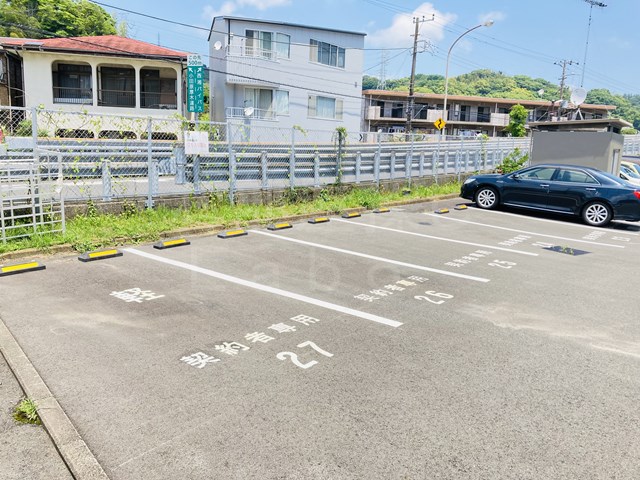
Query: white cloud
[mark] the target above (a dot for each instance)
(399, 34)
(495, 16)
(230, 7)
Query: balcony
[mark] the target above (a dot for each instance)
(76, 96)
(244, 51)
(117, 98)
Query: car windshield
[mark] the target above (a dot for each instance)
(629, 172)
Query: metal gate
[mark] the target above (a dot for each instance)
(31, 202)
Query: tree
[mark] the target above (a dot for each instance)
(62, 18)
(518, 117)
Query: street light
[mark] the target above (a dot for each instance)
(488, 23)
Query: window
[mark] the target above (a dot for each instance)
(283, 45)
(541, 173)
(157, 90)
(268, 44)
(261, 100)
(282, 102)
(574, 176)
(325, 107)
(117, 87)
(72, 83)
(327, 54)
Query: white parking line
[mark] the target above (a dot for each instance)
(523, 231)
(266, 288)
(373, 257)
(520, 252)
(551, 221)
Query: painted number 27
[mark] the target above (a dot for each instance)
(294, 357)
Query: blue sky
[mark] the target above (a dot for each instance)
(527, 37)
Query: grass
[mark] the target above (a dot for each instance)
(27, 412)
(94, 230)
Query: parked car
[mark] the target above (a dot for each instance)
(596, 196)
(631, 165)
(629, 175)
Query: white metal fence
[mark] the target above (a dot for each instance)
(105, 157)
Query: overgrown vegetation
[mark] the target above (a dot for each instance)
(27, 412)
(95, 230)
(512, 162)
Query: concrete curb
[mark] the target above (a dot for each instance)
(82, 464)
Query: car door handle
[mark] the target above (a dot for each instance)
(544, 185)
(591, 189)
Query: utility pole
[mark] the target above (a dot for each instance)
(412, 97)
(563, 78)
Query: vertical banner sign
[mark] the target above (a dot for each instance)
(195, 84)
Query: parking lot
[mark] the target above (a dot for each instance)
(401, 345)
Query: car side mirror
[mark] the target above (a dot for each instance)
(515, 176)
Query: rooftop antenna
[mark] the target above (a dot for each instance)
(592, 3)
(578, 96)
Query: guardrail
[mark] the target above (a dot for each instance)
(148, 160)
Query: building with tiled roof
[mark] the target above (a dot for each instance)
(103, 74)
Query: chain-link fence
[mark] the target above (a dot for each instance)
(106, 157)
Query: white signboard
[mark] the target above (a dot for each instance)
(196, 143)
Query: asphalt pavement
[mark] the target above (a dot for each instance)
(403, 345)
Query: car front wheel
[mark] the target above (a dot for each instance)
(597, 214)
(487, 198)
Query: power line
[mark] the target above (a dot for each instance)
(197, 27)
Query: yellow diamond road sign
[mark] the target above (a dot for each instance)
(440, 123)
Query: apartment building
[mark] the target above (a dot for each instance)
(275, 74)
(467, 115)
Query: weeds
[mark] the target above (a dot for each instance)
(27, 412)
(95, 230)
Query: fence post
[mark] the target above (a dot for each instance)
(106, 179)
(446, 162)
(421, 165)
(232, 165)
(196, 174)
(466, 161)
(181, 165)
(434, 164)
(263, 168)
(376, 162)
(392, 165)
(358, 166)
(316, 168)
(150, 169)
(34, 130)
(292, 160)
(408, 163)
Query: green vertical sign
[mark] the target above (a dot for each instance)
(195, 84)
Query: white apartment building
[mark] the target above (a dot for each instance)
(266, 73)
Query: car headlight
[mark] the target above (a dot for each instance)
(469, 180)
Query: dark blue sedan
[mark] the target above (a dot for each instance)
(596, 196)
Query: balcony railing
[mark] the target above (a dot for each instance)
(79, 96)
(117, 98)
(248, 112)
(158, 100)
(248, 51)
